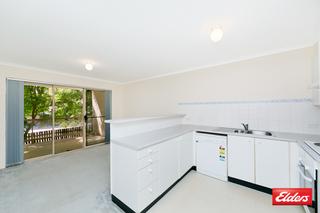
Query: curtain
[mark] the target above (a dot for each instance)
(14, 123)
(108, 110)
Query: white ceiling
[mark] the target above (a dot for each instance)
(137, 39)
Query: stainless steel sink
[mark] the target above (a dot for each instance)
(239, 131)
(254, 132)
(258, 132)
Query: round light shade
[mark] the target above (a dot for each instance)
(216, 34)
(88, 67)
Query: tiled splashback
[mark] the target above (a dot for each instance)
(294, 115)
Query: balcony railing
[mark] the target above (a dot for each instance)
(41, 136)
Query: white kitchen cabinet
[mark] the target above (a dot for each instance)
(272, 163)
(168, 163)
(186, 155)
(135, 175)
(138, 177)
(241, 158)
(294, 162)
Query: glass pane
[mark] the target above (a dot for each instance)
(68, 119)
(95, 103)
(95, 109)
(95, 131)
(37, 121)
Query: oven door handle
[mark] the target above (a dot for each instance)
(304, 176)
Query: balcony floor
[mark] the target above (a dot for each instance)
(45, 148)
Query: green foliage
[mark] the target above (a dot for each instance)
(37, 100)
(68, 103)
(38, 103)
(89, 108)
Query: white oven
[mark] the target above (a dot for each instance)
(308, 178)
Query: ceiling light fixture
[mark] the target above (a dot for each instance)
(216, 34)
(89, 67)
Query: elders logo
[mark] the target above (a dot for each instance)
(292, 196)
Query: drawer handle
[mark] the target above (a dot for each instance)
(304, 176)
(150, 189)
(150, 160)
(303, 164)
(150, 151)
(150, 170)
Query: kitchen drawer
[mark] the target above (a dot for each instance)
(149, 194)
(146, 176)
(147, 151)
(148, 160)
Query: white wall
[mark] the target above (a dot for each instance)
(277, 87)
(279, 82)
(30, 74)
(316, 75)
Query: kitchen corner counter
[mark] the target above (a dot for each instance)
(143, 119)
(144, 140)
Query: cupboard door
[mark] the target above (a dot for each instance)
(272, 163)
(241, 158)
(186, 153)
(168, 163)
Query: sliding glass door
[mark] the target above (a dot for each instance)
(95, 116)
(68, 119)
(59, 119)
(37, 120)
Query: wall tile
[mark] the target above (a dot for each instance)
(295, 115)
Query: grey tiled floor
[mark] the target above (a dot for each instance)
(78, 182)
(73, 182)
(202, 194)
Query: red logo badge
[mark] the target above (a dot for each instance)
(292, 196)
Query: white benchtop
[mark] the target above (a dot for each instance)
(141, 119)
(144, 140)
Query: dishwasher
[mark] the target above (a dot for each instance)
(211, 154)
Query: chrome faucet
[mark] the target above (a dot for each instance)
(246, 127)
